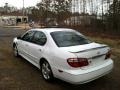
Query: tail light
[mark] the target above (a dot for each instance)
(108, 54)
(77, 62)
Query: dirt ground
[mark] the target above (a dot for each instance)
(18, 74)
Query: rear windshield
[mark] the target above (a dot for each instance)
(67, 38)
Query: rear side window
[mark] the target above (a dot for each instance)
(28, 36)
(39, 38)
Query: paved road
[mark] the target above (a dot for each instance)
(18, 74)
(10, 31)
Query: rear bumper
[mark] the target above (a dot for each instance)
(84, 76)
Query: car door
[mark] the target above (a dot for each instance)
(36, 48)
(24, 43)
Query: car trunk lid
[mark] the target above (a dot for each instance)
(95, 53)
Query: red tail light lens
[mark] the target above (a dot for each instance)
(108, 55)
(77, 62)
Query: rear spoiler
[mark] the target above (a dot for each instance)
(105, 46)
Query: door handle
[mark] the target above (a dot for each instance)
(26, 45)
(40, 50)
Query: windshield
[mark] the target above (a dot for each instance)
(68, 38)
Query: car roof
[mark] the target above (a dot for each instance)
(49, 30)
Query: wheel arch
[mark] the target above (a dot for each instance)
(14, 44)
(42, 60)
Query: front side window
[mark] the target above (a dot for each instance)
(67, 38)
(39, 38)
(28, 36)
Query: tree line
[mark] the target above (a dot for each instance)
(106, 12)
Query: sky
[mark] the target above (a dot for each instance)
(19, 3)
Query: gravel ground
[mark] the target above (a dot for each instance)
(18, 74)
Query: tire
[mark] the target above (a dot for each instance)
(15, 51)
(46, 71)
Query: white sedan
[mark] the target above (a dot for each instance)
(65, 54)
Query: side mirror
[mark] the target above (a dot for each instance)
(19, 37)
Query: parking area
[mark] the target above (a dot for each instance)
(18, 74)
